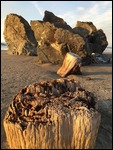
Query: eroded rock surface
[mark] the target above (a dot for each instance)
(19, 36)
(55, 42)
(57, 21)
(95, 40)
(54, 38)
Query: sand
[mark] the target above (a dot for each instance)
(19, 71)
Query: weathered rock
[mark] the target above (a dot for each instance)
(95, 40)
(43, 31)
(57, 21)
(74, 42)
(49, 54)
(56, 42)
(100, 40)
(84, 28)
(19, 36)
(49, 50)
(54, 37)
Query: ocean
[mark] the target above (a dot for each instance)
(107, 50)
(4, 47)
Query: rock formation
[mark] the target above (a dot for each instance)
(57, 21)
(54, 38)
(41, 114)
(84, 28)
(74, 42)
(48, 51)
(43, 31)
(19, 36)
(95, 40)
(55, 42)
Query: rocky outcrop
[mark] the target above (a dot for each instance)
(57, 21)
(54, 38)
(95, 40)
(55, 42)
(19, 37)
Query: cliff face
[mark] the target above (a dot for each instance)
(19, 36)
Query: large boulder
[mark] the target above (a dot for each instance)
(57, 21)
(55, 42)
(19, 36)
(95, 40)
(100, 40)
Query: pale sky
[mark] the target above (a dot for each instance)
(98, 12)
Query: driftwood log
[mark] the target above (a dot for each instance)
(55, 114)
(71, 65)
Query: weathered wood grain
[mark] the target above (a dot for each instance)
(65, 117)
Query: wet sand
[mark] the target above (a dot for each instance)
(19, 71)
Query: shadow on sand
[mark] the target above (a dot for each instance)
(105, 131)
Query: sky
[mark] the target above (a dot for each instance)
(98, 12)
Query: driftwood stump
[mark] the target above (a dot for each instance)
(71, 65)
(55, 114)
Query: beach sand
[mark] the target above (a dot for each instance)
(19, 71)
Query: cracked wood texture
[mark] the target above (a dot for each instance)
(71, 65)
(55, 114)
